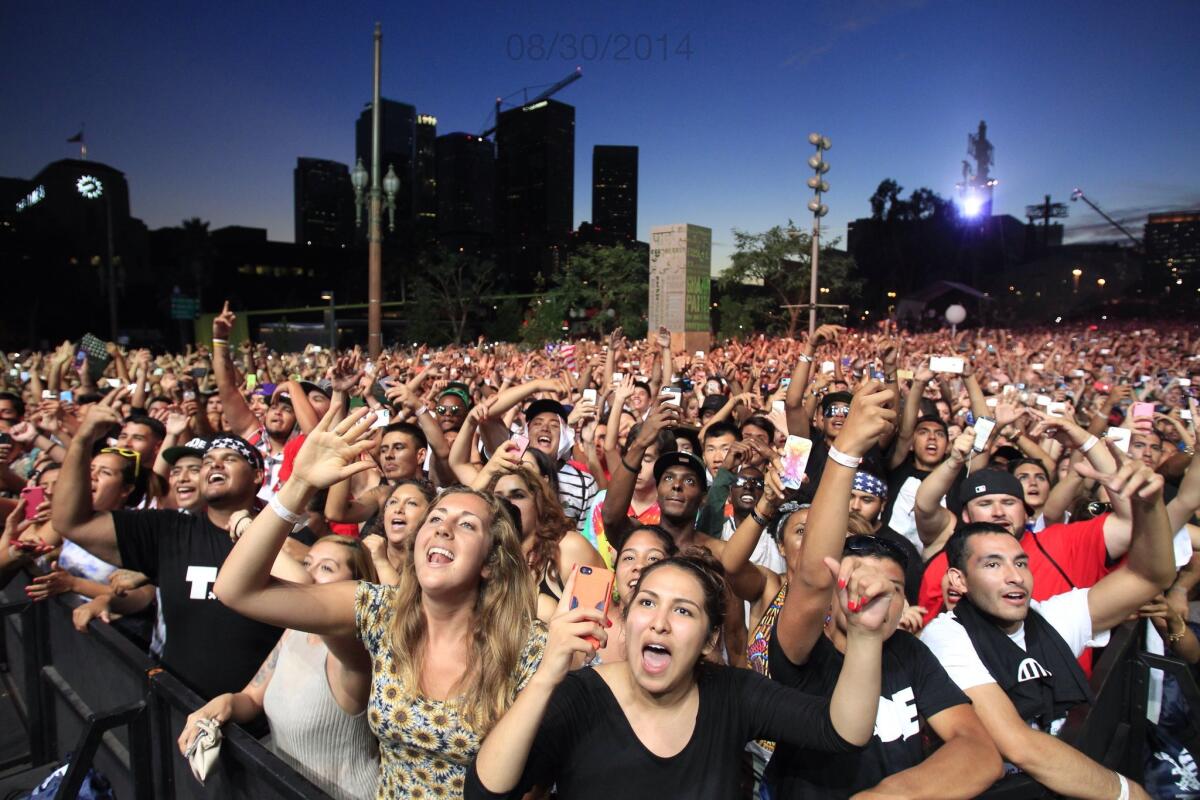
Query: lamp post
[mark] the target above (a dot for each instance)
(374, 203)
(1076, 273)
(819, 186)
(328, 295)
(91, 188)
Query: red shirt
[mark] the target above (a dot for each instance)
(1077, 547)
(285, 470)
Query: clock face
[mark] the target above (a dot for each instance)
(89, 186)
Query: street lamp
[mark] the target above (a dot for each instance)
(1076, 274)
(819, 186)
(92, 188)
(1100, 282)
(328, 295)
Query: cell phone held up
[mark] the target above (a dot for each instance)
(593, 589)
(34, 496)
(952, 364)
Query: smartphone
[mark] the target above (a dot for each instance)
(795, 460)
(1185, 381)
(189, 395)
(34, 497)
(1077, 373)
(778, 407)
(114, 383)
(199, 373)
(1185, 414)
(1142, 410)
(672, 397)
(593, 589)
(983, 431)
(66, 397)
(1120, 437)
(1037, 367)
(522, 443)
(590, 395)
(47, 394)
(617, 378)
(786, 382)
(905, 375)
(1057, 410)
(946, 364)
(992, 402)
(827, 366)
(383, 418)
(1042, 400)
(5, 438)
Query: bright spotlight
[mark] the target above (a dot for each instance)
(972, 205)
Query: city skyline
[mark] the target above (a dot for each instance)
(719, 110)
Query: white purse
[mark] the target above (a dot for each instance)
(204, 750)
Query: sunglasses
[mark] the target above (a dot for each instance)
(861, 545)
(753, 483)
(838, 411)
(450, 411)
(127, 453)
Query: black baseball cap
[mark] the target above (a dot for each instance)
(544, 406)
(990, 481)
(681, 459)
(325, 387)
(194, 447)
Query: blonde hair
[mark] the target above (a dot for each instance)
(362, 568)
(503, 614)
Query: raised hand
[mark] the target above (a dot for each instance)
(567, 630)
(960, 448)
(664, 336)
(23, 432)
(100, 420)
(1132, 480)
(868, 420)
(827, 333)
(864, 593)
(329, 456)
(222, 324)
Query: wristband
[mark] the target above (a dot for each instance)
(755, 516)
(1089, 444)
(838, 457)
(1124, 795)
(634, 470)
(422, 410)
(283, 513)
(807, 359)
(220, 342)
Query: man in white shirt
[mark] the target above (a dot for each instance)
(1020, 687)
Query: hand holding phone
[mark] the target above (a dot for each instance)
(952, 364)
(983, 432)
(593, 589)
(34, 497)
(1120, 437)
(795, 461)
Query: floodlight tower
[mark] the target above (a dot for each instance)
(975, 189)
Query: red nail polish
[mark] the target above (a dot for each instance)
(608, 623)
(852, 605)
(841, 583)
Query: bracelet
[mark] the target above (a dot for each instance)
(634, 470)
(838, 457)
(422, 410)
(1124, 795)
(1089, 444)
(220, 342)
(755, 516)
(283, 513)
(807, 359)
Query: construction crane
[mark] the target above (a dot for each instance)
(1079, 195)
(565, 82)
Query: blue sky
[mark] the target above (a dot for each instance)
(206, 106)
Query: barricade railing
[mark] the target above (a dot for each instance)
(67, 684)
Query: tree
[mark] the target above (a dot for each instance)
(780, 260)
(606, 286)
(448, 289)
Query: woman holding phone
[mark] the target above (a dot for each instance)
(450, 646)
(668, 723)
(641, 547)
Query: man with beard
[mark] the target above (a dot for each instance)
(1015, 657)
(209, 647)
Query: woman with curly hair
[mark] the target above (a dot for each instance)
(449, 647)
(549, 542)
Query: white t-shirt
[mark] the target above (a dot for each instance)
(1067, 613)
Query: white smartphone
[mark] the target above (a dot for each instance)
(1037, 367)
(778, 407)
(1120, 437)
(1057, 410)
(827, 366)
(383, 418)
(992, 402)
(617, 378)
(946, 364)
(983, 431)
(1185, 381)
(589, 395)
(1042, 400)
(1185, 414)
(672, 397)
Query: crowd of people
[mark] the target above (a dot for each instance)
(856, 564)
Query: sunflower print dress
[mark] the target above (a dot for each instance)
(425, 746)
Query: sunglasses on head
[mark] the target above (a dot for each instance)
(127, 453)
(451, 410)
(873, 546)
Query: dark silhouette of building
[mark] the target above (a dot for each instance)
(397, 148)
(535, 170)
(1172, 244)
(426, 169)
(324, 200)
(466, 189)
(614, 190)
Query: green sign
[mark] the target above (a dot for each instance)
(697, 294)
(184, 307)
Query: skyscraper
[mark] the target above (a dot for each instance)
(466, 187)
(1172, 244)
(426, 169)
(614, 190)
(535, 170)
(324, 202)
(397, 148)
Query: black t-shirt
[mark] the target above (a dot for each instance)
(914, 685)
(587, 748)
(209, 647)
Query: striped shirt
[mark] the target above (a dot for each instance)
(576, 489)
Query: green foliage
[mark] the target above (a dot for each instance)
(596, 281)
(445, 295)
(779, 261)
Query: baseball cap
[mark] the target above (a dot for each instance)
(194, 447)
(681, 459)
(323, 386)
(990, 481)
(544, 406)
(227, 441)
(264, 390)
